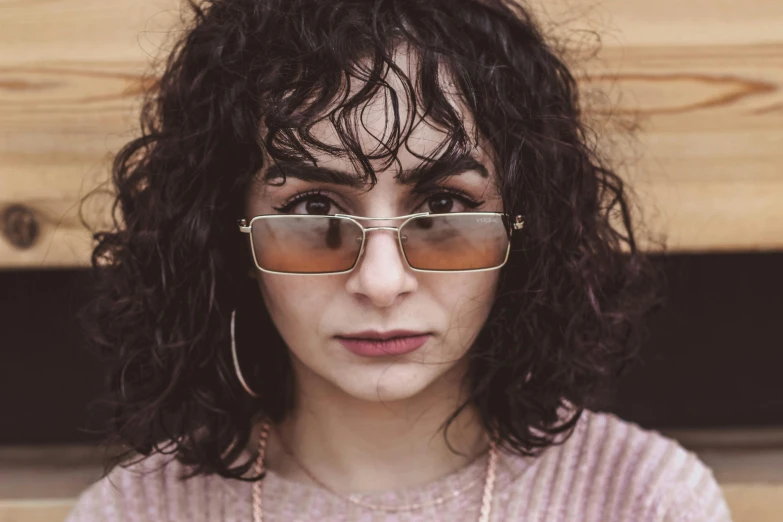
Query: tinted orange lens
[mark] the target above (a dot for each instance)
(455, 242)
(306, 244)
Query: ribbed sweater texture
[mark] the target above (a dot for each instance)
(608, 470)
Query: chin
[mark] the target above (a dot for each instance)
(389, 382)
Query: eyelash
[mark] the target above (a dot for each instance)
(464, 198)
(298, 198)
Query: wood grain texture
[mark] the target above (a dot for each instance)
(70, 78)
(702, 80)
(755, 502)
(54, 510)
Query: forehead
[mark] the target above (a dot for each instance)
(389, 129)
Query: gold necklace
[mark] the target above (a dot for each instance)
(486, 503)
(392, 509)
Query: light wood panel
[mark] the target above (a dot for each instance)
(702, 79)
(70, 77)
(754, 502)
(641, 23)
(708, 160)
(54, 510)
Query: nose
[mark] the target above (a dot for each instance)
(381, 275)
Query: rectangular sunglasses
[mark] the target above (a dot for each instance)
(333, 244)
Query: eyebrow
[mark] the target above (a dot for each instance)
(420, 177)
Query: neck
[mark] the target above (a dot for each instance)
(354, 445)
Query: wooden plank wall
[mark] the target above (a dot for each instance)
(701, 78)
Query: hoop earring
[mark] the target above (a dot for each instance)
(237, 369)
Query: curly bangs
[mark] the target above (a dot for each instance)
(568, 312)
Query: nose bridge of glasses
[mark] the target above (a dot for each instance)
(368, 229)
(404, 219)
(393, 229)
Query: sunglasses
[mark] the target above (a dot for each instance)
(333, 244)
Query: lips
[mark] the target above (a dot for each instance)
(372, 343)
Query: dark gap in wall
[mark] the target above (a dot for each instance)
(47, 378)
(713, 356)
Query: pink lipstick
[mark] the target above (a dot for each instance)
(379, 344)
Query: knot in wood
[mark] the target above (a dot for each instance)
(20, 226)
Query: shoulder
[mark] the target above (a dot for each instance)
(152, 489)
(610, 469)
(655, 476)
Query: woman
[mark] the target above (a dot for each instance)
(365, 271)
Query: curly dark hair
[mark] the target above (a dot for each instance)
(566, 319)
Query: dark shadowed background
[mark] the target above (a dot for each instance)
(713, 356)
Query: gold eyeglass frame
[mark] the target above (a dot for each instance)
(245, 227)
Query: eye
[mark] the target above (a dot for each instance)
(440, 203)
(312, 202)
(451, 200)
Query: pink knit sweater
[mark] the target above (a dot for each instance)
(609, 470)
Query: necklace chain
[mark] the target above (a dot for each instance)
(486, 501)
(350, 498)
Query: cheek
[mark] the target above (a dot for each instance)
(467, 296)
(294, 303)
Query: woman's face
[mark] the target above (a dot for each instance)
(313, 312)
